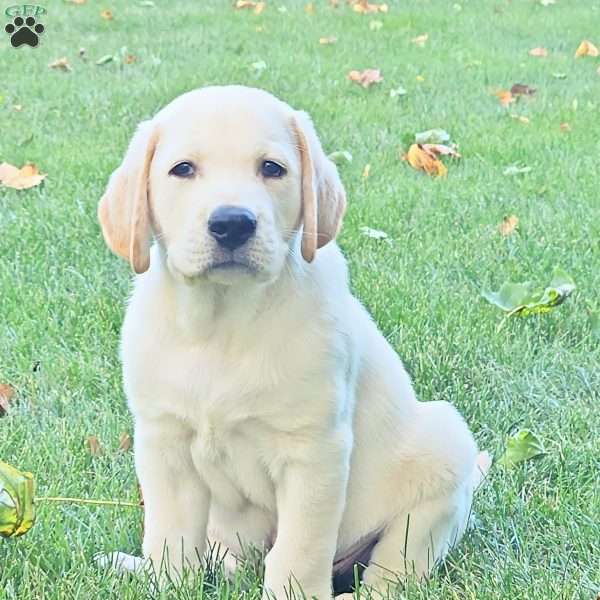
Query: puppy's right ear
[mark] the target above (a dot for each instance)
(124, 210)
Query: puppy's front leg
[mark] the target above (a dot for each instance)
(311, 493)
(176, 500)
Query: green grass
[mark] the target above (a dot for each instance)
(62, 294)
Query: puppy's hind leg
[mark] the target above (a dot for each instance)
(437, 476)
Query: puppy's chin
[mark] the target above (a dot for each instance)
(232, 273)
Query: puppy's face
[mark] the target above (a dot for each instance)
(224, 178)
(225, 186)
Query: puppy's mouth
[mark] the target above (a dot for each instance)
(232, 265)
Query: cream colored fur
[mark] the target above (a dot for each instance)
(267, 404)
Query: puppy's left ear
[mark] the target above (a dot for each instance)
(323, 195)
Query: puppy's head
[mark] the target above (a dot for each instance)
(224, 178)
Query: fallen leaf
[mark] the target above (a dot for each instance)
(17, 509)
(106, 14)
(432, 136)
(325, 41)
(399, 91)
(103, 60)
(508, 225)
(259, 66)
(526, 299)
(124, 441)
(129, 58)
(340, 156)
(26, 177)
(522, 89)
(420, 78)
(441, 149)
(366, 171)
(520, 447)
(7, 392)
(586, 48)
(516, 170)
(375, 234)
(257, 7)
(364, 7)
(77, 2)
(375, 25)
(61, 63)
(539, 52)
(505, 97)
(420, 40)
(559, 75)
(94, 446)
(18, 107)
(365, 78)
(420, 158)
(520, 118)
(309, 9)
(565, 127)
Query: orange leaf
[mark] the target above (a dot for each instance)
(24, 178)
(365, 78)
(94, 445)
(325, 41)
(6, 394)
(586, 48)
(420, 39)
(505, 97)
(508, 225)
(106, 14)
(364, 7)
(420, 158)
(538, 52)
(61, 63)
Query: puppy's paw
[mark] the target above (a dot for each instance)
(121, 562)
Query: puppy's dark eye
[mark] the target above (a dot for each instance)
(182, 169)
(268, 168)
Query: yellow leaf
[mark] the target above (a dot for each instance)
(20, 179)
(309, 9)
(538, 52)
(365, 78)
(106, 14)
(61, 64)
(508, 225)
(505, 97)
(420, 78)
(364, 7)
(325, 41)
(586, 48)
(421, 159)
(420, 39)
(17, 509)
(366, 171)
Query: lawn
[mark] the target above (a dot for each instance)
(62, 294)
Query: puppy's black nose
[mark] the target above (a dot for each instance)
(231, 226)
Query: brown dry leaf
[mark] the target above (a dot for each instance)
(366, 171)
(420, 158)
(522, 89)
(508, 225)
(309, 9)
(420, 39)
(94, 445)
(565, 127)
(26, 177)
(505, 97)
(365, 78)
(124, 441)
(61, 63)
(129, 58)
(6, 394)
(364, 7)
(326, 41)
(538, 52)
(106, 14)
(586, 48)
(257, 7)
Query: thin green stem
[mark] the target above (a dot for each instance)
(86, 501)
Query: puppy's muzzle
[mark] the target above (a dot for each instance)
(232, 226)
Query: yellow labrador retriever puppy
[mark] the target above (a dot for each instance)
(269, 410)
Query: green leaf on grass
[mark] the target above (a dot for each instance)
(17, 510)
(527, 299)
(432, 136)
(340, 156)
(520, 447)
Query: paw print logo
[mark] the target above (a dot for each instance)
(24, 31)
